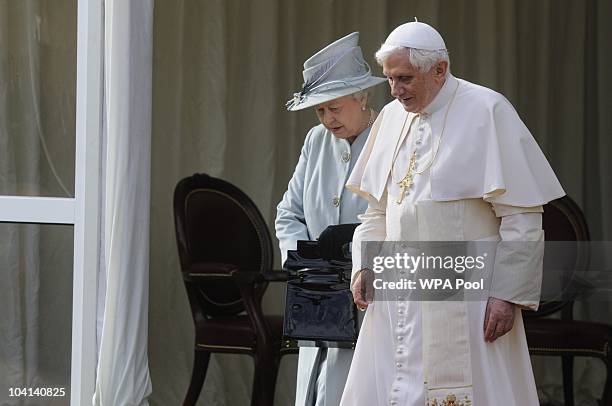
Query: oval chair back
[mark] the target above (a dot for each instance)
(216, 222)
(564, 223)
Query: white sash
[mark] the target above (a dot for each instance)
(447, 368)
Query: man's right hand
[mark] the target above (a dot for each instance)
(363, 290)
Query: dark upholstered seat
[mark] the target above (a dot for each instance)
(225, 253)
(564, 221)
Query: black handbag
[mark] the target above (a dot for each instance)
(319, 307)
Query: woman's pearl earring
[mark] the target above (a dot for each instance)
(363, 108)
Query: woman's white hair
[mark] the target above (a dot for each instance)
(421, 59)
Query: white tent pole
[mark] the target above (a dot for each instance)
(87, 199)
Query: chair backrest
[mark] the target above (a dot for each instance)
(563, 220)
(215, 222)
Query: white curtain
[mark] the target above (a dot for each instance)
(123, 374)
(37, 134)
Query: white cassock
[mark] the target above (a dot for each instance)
(487, 181)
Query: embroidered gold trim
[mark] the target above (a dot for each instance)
(451, 400)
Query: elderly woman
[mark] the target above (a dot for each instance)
(335, 80)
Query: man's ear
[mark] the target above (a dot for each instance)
(441, 68)
(439, 71)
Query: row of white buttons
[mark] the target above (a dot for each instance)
(421, 129)
(399, 350)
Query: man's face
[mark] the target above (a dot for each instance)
(413, 88)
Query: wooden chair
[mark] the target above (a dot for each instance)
(226, 253)
(564, 221)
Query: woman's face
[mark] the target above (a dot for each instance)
(343, 116)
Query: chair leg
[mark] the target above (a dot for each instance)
(264, 379)
(567, 364)
(606, 399)
(200, 365)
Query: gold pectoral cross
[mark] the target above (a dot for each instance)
(407, 180)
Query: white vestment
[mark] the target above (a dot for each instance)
(488, 181)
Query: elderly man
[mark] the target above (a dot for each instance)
(447, 160)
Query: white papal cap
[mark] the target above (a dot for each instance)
(414, 35)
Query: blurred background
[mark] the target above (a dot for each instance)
(222, 72)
